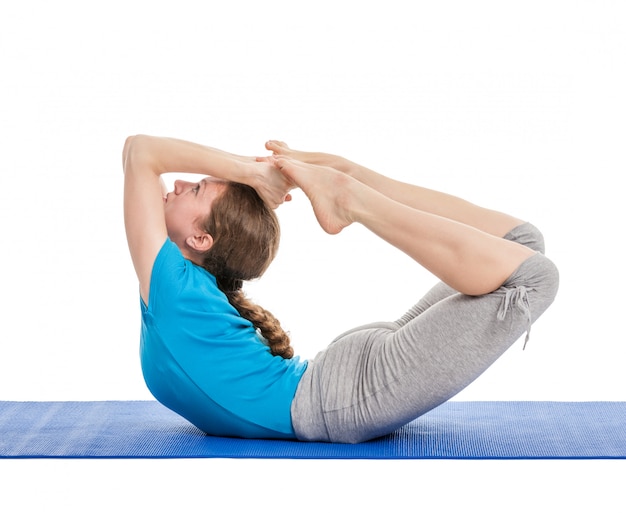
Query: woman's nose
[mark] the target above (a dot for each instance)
(180, 186)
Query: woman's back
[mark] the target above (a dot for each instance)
(203, 360)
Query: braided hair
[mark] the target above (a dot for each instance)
(246, 234)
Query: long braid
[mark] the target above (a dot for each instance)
(245, 240)
(264, 321)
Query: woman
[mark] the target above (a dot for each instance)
(226, 365)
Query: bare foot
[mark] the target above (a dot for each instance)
(328, 190)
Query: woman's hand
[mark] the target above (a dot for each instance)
(271, 185)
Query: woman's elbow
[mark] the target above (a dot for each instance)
(126, 150)
(131, 149)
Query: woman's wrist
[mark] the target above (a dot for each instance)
(244, 171)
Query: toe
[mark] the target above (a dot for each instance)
(276, 146)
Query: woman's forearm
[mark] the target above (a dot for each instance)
(167, 155)
(151, 156)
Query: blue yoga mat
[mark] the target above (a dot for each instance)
(455, 430)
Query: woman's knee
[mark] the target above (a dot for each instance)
(528, 235)
(539, 277)
(549, 283)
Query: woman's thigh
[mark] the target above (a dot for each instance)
(373, 380)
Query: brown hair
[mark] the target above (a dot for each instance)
(245, 235)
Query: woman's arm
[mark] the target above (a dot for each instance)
(146, 158)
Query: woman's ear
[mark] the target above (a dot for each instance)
(200, 243)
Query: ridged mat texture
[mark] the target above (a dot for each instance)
(455, 430)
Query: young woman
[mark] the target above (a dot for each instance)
(226, 365)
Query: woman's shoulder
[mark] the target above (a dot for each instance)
(170, 260)
(174, 277)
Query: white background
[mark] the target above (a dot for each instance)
(518, 106)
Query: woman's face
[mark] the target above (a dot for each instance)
(187, 205)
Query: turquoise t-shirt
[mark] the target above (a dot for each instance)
(204, 361)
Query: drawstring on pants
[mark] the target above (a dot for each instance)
(517, 296)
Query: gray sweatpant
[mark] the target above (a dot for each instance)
(374, 379)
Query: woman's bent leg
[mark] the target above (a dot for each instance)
(372, 381)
